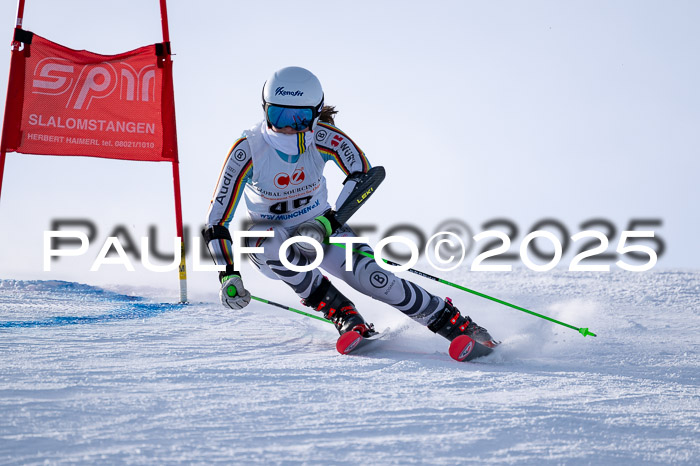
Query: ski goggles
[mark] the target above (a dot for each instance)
(297, 118)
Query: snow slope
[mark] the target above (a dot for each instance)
(95, 376)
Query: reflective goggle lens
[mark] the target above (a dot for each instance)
(296, 118)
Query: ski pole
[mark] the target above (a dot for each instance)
(287, 308)
(582, 330)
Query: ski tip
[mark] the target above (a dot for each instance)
(464, 348)
(461, 347)
(347, 342)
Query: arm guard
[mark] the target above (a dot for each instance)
(218, 240)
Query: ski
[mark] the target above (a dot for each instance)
(465, 348)
(352, 341)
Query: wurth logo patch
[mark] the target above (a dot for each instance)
(335, 142)
(80, 85)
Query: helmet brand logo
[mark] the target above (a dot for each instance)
(281, 91)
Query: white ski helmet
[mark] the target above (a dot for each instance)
(293, 97)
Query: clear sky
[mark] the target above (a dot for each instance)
(478, 110)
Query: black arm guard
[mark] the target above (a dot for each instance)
(354, 176)
(216, 232)
(219, 232)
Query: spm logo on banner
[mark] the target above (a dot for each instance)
(56, 76)
(83, 103)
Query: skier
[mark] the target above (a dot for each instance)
(278, 165)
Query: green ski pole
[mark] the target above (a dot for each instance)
(582, 330)
(287, 308)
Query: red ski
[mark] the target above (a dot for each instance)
(464, 348)
(351, 341)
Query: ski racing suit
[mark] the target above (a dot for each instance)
(282, 191)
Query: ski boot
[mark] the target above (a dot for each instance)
(338, 309)
(451, 324)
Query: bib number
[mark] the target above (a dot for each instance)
(282, 207)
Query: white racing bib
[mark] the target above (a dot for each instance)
(282, 191)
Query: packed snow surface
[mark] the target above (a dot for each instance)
(94, 375)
